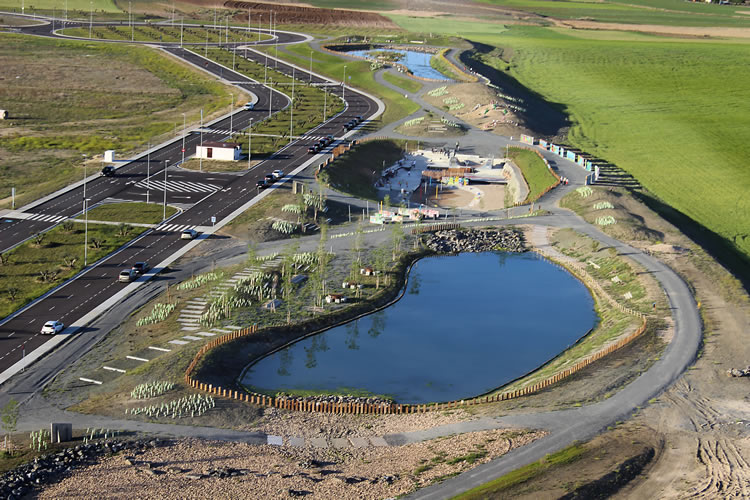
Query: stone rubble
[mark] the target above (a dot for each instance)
(480, 240)
(734, 372)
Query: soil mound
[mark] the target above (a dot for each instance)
(292, 14)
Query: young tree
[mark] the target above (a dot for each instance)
(9, 417)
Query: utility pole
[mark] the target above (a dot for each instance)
(249, 143)
(86, 232)
(183, 137)
(343, 88)
(91, 16)
(311, 53)
(231, 116)
(166, 166)
(291, 115)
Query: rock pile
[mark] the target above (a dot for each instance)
(734, 372)
(53, 467)
(325, 398)
(480, 240)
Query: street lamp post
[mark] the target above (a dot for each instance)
(325, 103)
(166, 166)
(231, 116)
(148, 172)
(343, 86)
(86, 231)
(311, 53)
(183, 137)
(249, 143)
(291, 114)
(200, 156)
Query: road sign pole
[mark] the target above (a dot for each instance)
(183, 137)
(166, 166)
(148, 172)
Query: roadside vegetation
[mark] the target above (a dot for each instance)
(134, 213)
(407, 84)
(48, 259)
(67, 99)
(164, 33)
(358, 75)
(538, 177)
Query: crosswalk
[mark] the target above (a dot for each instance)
(224, 131)
(45, 217)
(178, 186)
(174, 227)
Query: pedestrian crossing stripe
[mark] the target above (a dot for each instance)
(178, 186)
(174, 227)
(46, 217)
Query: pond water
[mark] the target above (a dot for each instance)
(467, 324)
(417, 62)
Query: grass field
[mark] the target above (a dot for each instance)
(158, 33)
(332, 66)
(34, 268)
(137, 213)
(662, 12)
(68, 98)
(309, 104)
(538, 177)
(669, 111)
(48, 5)
(405, 83)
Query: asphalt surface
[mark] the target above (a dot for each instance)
(564, 426)
(203, 196)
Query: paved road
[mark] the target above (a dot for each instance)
(202, 195)
(564, 426)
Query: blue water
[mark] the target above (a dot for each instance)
(466, 325)
(417, 62)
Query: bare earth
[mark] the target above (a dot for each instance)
(662, 30)
(273, 471)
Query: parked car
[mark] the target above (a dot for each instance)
(52, 327)
(141, 268)
(188, 234)
(127, 275)
(109, 171)
(277, 174)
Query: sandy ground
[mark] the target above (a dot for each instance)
(274, 472)
(475, 197)
(662, 30)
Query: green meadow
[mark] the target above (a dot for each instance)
(669, 111)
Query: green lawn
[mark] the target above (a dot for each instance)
(537, 175)
(407, 84)
(32, 269)
(158, 33)
(358, 75)
(137, 213)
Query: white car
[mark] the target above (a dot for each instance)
(52, 327)
(249, 105)
(188, 234)
(277, 174)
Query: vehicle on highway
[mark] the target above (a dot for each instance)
(277, 174)
(328, 139)
(250, 105)
(189, 234)
(313, 149)
(109, 171)
(261, 184)
(127, 275)
(141, 267)
(270, 178)
(52, 327)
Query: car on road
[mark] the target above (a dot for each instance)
(270, 178)
(52, 327)
(250, 105)
(327, 139)
(277, 174)
(261, 184)
(313, 149)
(188, 234)
(141, 268)
(109, 171)
(127, 275)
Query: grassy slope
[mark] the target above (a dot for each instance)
(405, 83)
(73, 5)
(669, 111)
(537, 175)
(138, 213)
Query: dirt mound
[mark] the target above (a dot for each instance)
(292, 14)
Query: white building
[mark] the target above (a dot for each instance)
(224, 151)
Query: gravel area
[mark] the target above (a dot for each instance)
(311, 425)
(194, 469)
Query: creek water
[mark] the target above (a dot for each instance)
(467, 324)
(417, 62)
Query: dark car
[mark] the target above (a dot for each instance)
(270, 178)
(141, 267)
(313, 149)
(109, 171)
(261, 184)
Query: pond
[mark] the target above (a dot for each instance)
(417, 62)
(467, 324)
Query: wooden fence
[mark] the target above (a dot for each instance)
(299, 404)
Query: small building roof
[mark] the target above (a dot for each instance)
(226, 145)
